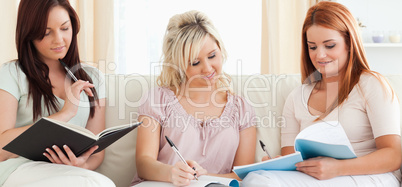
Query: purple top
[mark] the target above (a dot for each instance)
(212, 143)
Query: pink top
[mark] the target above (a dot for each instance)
(212, 143)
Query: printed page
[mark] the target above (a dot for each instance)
(73, 127)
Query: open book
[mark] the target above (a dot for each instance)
(204, 180)
(47, 132)
(327, 139)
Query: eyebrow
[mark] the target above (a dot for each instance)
(213, 50)
(322, 42)
(61, 24)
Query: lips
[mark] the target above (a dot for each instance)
(324, 63)
(210, 76)
(58, 49)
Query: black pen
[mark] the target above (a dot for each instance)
(178, 153)
(71, 74)
(265, 150)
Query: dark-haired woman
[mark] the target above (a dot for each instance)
(36, 85)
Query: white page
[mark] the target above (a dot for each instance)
(330, 132)
(202, 181)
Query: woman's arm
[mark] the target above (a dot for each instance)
(386, 158)
(8, 116)
(148, 167)
(287, 150)
(96, 125)
(245, 152)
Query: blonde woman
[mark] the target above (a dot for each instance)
(195, 108)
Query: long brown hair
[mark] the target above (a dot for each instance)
(337, 17)
(31, 25)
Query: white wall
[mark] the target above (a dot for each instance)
(380, 15)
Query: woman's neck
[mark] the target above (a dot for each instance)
(198, 94)
(54, 65)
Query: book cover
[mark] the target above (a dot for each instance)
(327, 139)
(46, 132)
(284, 163)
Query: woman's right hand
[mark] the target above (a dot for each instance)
(182, 174)
(72, 100)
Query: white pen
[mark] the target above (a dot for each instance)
(178, 153)
(265, 150)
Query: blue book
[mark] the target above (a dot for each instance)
(283, 163)
(327, 139)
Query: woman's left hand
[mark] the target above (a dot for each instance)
(320, 167)
(56, 155)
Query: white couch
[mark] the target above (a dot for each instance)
(267, 93)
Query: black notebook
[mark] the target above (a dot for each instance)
(47, 132)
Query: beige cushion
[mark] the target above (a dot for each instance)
(267, 93)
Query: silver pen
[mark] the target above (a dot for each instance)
(75, 78)
(265, 150)
(68, 71)
(178, 153)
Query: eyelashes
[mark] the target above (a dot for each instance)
(198, 62)
(63, 29)
(327, 46)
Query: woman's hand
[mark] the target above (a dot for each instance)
(57, 156)
(320, 167)
(182, 174)
(73, 92)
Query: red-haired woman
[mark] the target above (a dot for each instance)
(36, 85)
(339, 86)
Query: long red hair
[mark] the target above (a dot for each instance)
(31, 25)
(337, 17)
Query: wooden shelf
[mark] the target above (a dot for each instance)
(382, 44)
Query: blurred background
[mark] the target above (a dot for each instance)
(261, 36)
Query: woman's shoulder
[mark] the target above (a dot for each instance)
(11, 65)
(372, 81)
(374, 84)
(90, 70)
(11, 68)
(160, 95)
(300, 90)
(239, 102)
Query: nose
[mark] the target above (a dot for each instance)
(207, 67)
(58, 37)
(321, 53)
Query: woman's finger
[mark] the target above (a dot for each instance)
(54, 156)
(61, 155)
(70, 154)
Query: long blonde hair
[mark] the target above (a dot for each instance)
(182, 43)
(337, 17)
